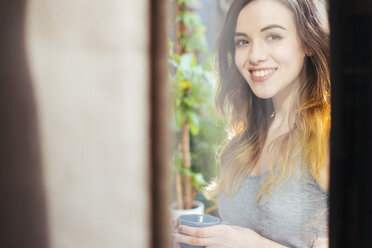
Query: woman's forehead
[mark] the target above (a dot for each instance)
(260, 13)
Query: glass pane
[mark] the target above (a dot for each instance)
(251, 120)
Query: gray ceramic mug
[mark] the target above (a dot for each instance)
(198, 220)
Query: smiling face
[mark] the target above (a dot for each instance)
(269, 53)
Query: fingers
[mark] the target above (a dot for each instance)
(201, 232)
(191, 240)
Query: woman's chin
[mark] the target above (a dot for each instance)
(264, 95)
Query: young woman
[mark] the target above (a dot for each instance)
(274, 85)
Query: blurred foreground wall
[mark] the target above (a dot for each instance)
(89, 67)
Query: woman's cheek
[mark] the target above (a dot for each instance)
(282, 55)
(240, 58)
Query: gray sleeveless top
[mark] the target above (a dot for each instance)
(295, 215)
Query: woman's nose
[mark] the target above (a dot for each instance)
(257, 54)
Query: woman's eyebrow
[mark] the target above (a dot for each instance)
(272, 26)
(240, 34)
(263, 29)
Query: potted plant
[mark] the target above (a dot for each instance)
(192, 85)
(188, 87)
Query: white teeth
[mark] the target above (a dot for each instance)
(262, 73)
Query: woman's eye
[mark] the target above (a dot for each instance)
(273, 37)
(240, 43)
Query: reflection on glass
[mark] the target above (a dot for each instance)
(274, 92)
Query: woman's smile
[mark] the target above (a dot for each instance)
(261, 74)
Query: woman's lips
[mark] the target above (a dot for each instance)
(262, 74)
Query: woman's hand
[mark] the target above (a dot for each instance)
(218, 236)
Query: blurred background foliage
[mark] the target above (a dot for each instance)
(193, 83)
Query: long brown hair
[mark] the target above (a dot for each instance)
(249, 116)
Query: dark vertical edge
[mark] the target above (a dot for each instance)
(22, 207)
(351, 135)
(159, 129)
(336, 187)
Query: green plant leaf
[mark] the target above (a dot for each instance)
(187, 60)
(197, 180)
(187, 171)
(172, 62)
(190, 101)
(187, 1)
(194, 129)
(194, 118)
(176, 57)
(180, 117)
(185, 84)
(193, 123)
